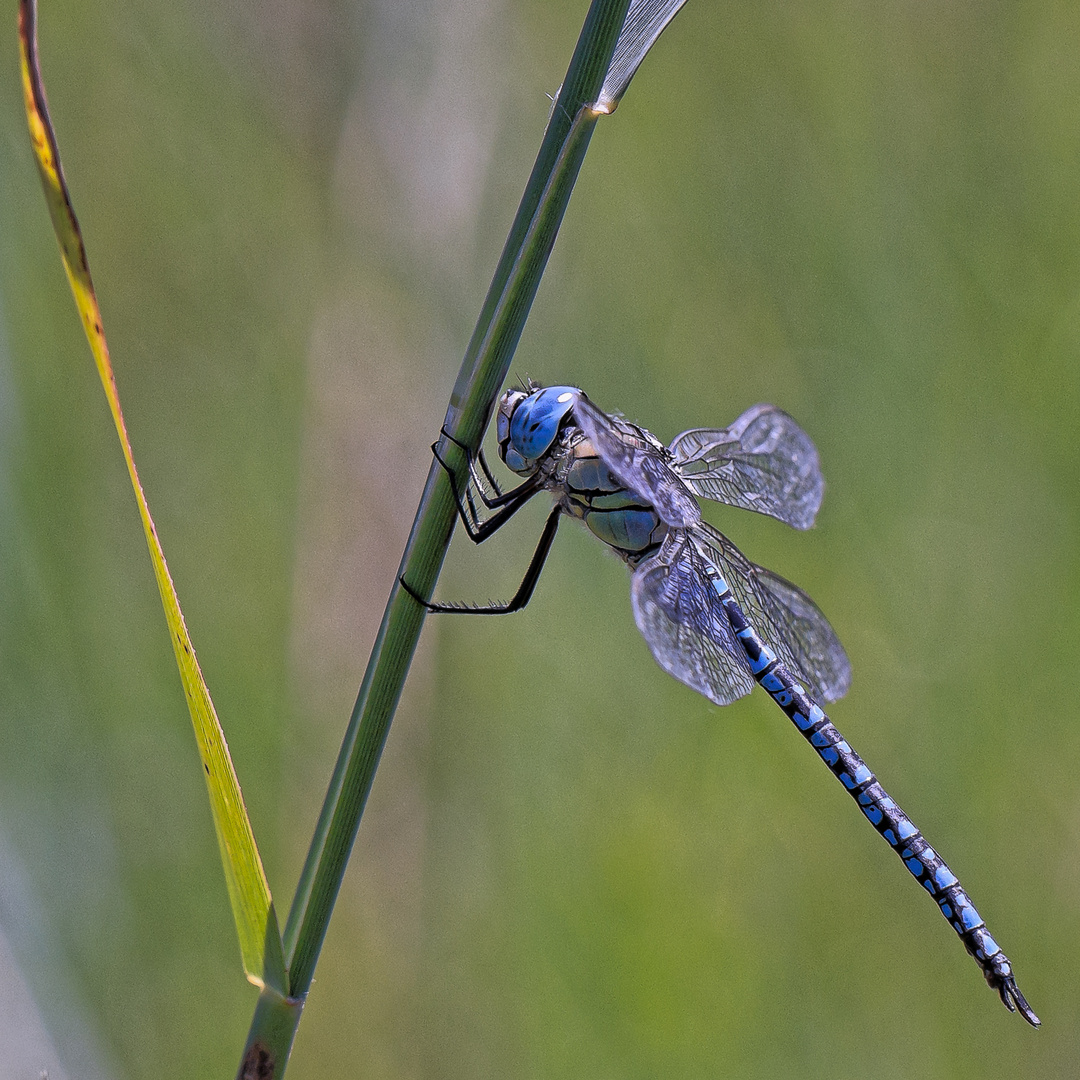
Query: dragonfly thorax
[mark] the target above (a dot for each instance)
(589, 491)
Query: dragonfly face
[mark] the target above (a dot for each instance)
(528, 424)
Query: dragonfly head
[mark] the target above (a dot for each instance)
(527, 424)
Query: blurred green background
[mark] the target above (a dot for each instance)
(571, 865)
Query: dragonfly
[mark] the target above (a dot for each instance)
(711, 618)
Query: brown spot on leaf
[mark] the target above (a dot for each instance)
(258, 1064)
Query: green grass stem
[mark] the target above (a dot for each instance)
(483, 371)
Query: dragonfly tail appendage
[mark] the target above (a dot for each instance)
(922, 861)
(1015, 1001)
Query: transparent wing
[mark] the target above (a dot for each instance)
(679, 615)
(783, 615)
(639, 463)
(763, 462)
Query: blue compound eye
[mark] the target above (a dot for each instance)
(535, 422)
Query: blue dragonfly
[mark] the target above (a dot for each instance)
(711, 618)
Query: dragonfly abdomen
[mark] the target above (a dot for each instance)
(898, 830)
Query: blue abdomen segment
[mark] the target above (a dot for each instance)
(922, 861)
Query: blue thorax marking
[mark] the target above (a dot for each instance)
(613, 514)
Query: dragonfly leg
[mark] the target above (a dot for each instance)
(487, 473)
(490, 503)
(525, 589)
(509, 503)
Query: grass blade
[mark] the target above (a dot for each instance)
(645, 22)
(483, 371)
(249, 893)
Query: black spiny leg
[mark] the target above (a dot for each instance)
(509, 503)
(525, 589)
(490, 503)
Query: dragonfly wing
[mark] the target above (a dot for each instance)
(783, 615)
(637, 464)
(679, 615)
(763, 462)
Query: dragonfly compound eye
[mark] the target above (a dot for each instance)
(535, 423)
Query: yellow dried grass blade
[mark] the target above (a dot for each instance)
(249, 893)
